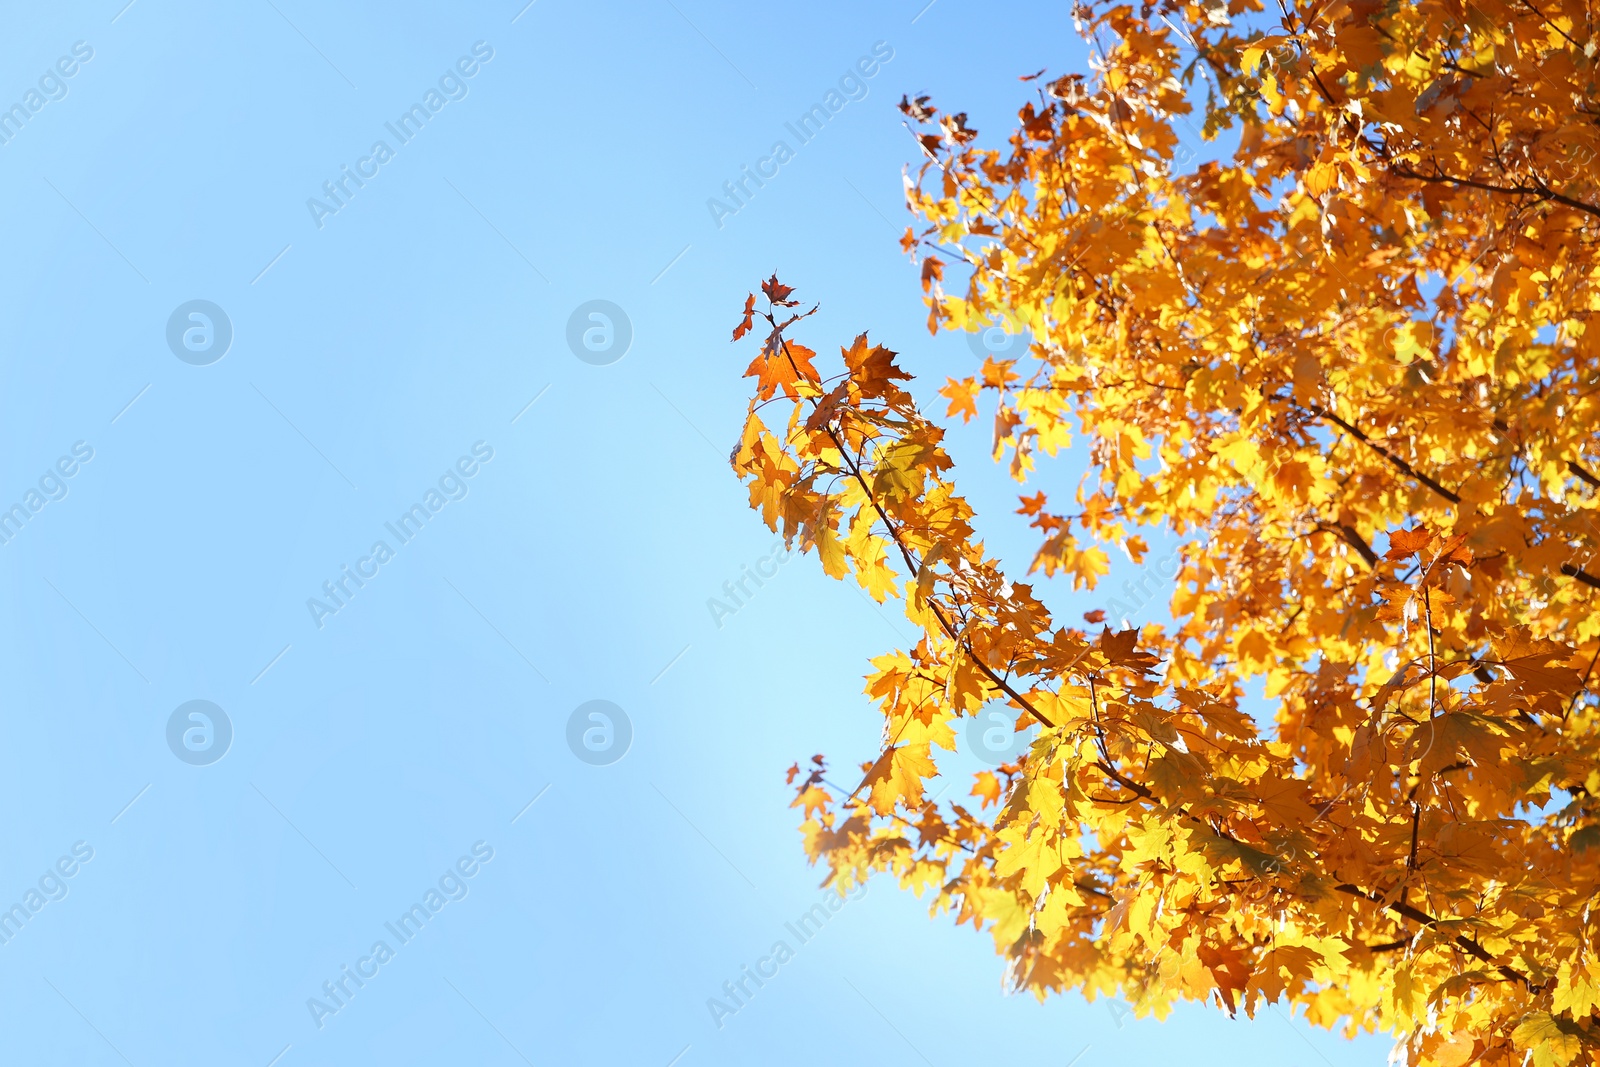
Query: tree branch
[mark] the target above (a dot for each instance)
(1399, 464)
(1540, 190)
(1400, 907)
(1353, 538)
(1581, 575)
(1572, 465)
(911, 564)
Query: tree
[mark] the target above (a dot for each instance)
(1348, 368)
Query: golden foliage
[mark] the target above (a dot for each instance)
(1349, 367)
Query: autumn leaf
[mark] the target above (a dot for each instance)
(1320, 178)
(871, 367)
(811, 798)
(781, 365)
(778, 293)
(963, 397)
(917, 109)
(749, 317)
(998, 373)
(1403, 543)
(1034, 856)
(1554, 1042)
(897, 775)
(987, 787)
(1250, 57)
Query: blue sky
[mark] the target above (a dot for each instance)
(414, 342)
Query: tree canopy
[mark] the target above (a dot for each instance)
(1347, 362)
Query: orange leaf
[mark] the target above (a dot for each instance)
(1403, 543)
(749, 317)
(963, 397)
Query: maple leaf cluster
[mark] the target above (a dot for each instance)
(1350, 367)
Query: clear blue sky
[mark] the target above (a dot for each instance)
(390, 348)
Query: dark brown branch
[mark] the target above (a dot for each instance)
(1581, 575)
(1572, 466)
(1126, 783)
(1354, 539)
(1546, 18)
(1540, 190)
(1582, 686)
(1398, 463)
(1400, 907)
